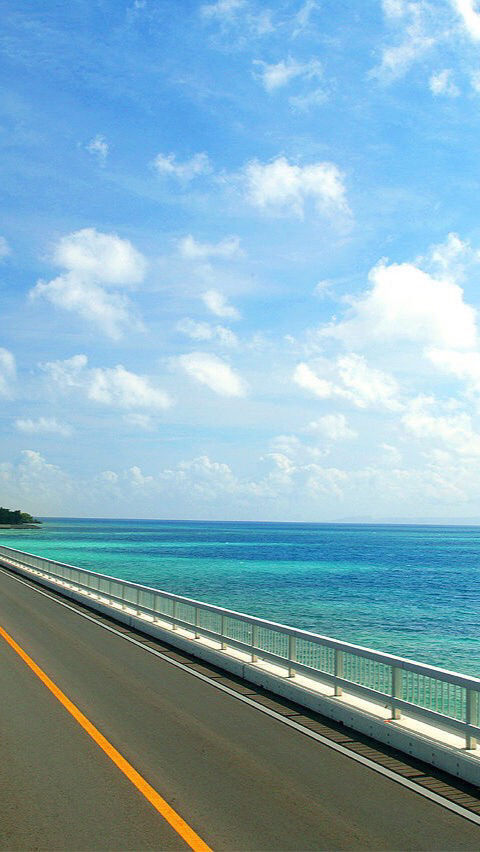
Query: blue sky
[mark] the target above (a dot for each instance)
(240, 255)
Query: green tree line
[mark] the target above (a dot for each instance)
(15, 516)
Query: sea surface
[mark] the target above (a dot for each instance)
(408, 590)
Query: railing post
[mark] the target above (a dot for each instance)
(292, 654)
(471, 717)
(254, 642)
(223, 644)
(174, 613)
(138, 602)
(397, 692)
(338, 671)
(197, 622)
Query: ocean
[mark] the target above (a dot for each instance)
(407, 590)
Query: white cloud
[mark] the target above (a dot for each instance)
(394, 8)
(94, 263)
(105, 258)
(323, 288)
(218, 305)
(212, 371)
(470, 16)
(7, 371)
(166, 164)
(350, 378)
(223, 9)
(205, 331)
(455, 430)
(334, 427)
(120, 388)
(321, 480)
(137, 479)
(448, 258)
(196, 250)
(279, 74)
(35, 483)
(109, 476)
(4, 248)
(310, 99)
(463, 365)
(98, 147)
(68, 373)
(44, 425)
(282, 186)
(417, 33)
(113, 386)
(241, 15)
(110, 312)
(443, 84)
(307, 379)
(407, 303)
(201, 478)
(302, 18)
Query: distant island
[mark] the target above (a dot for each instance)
(15, 518)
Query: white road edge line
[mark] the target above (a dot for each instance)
(358, 758)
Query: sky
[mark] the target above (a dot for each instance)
(240, 259)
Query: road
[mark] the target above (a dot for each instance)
(240, 779)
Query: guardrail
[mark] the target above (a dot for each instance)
(448, 700)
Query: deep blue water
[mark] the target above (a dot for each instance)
(409, 590)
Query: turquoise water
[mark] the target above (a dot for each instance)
(408, 590)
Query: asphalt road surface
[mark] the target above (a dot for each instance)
(239, 778)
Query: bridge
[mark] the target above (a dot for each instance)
(135, 719)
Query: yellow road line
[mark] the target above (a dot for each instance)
(175, 820)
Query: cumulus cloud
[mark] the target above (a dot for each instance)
(32, 481)
(96, 265)
(415, 33)
(280, 186)
(43, 425)
(205, 331)
(455, 431)
(104, 257)
(137, 479)
(212, 371)
(196, 250)
(407, 303)
(98, 147)
(167, 164)
(470, 16)
(465, 366)
(275, 76)
(442, 83)
(352, 379)
(333, 427)
(120, 388)
(218, 305)
(448, 259)
(7, 372)
(112, 386)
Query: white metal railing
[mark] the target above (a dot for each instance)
(448, 700)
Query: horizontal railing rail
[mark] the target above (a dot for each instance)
(448, 700)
